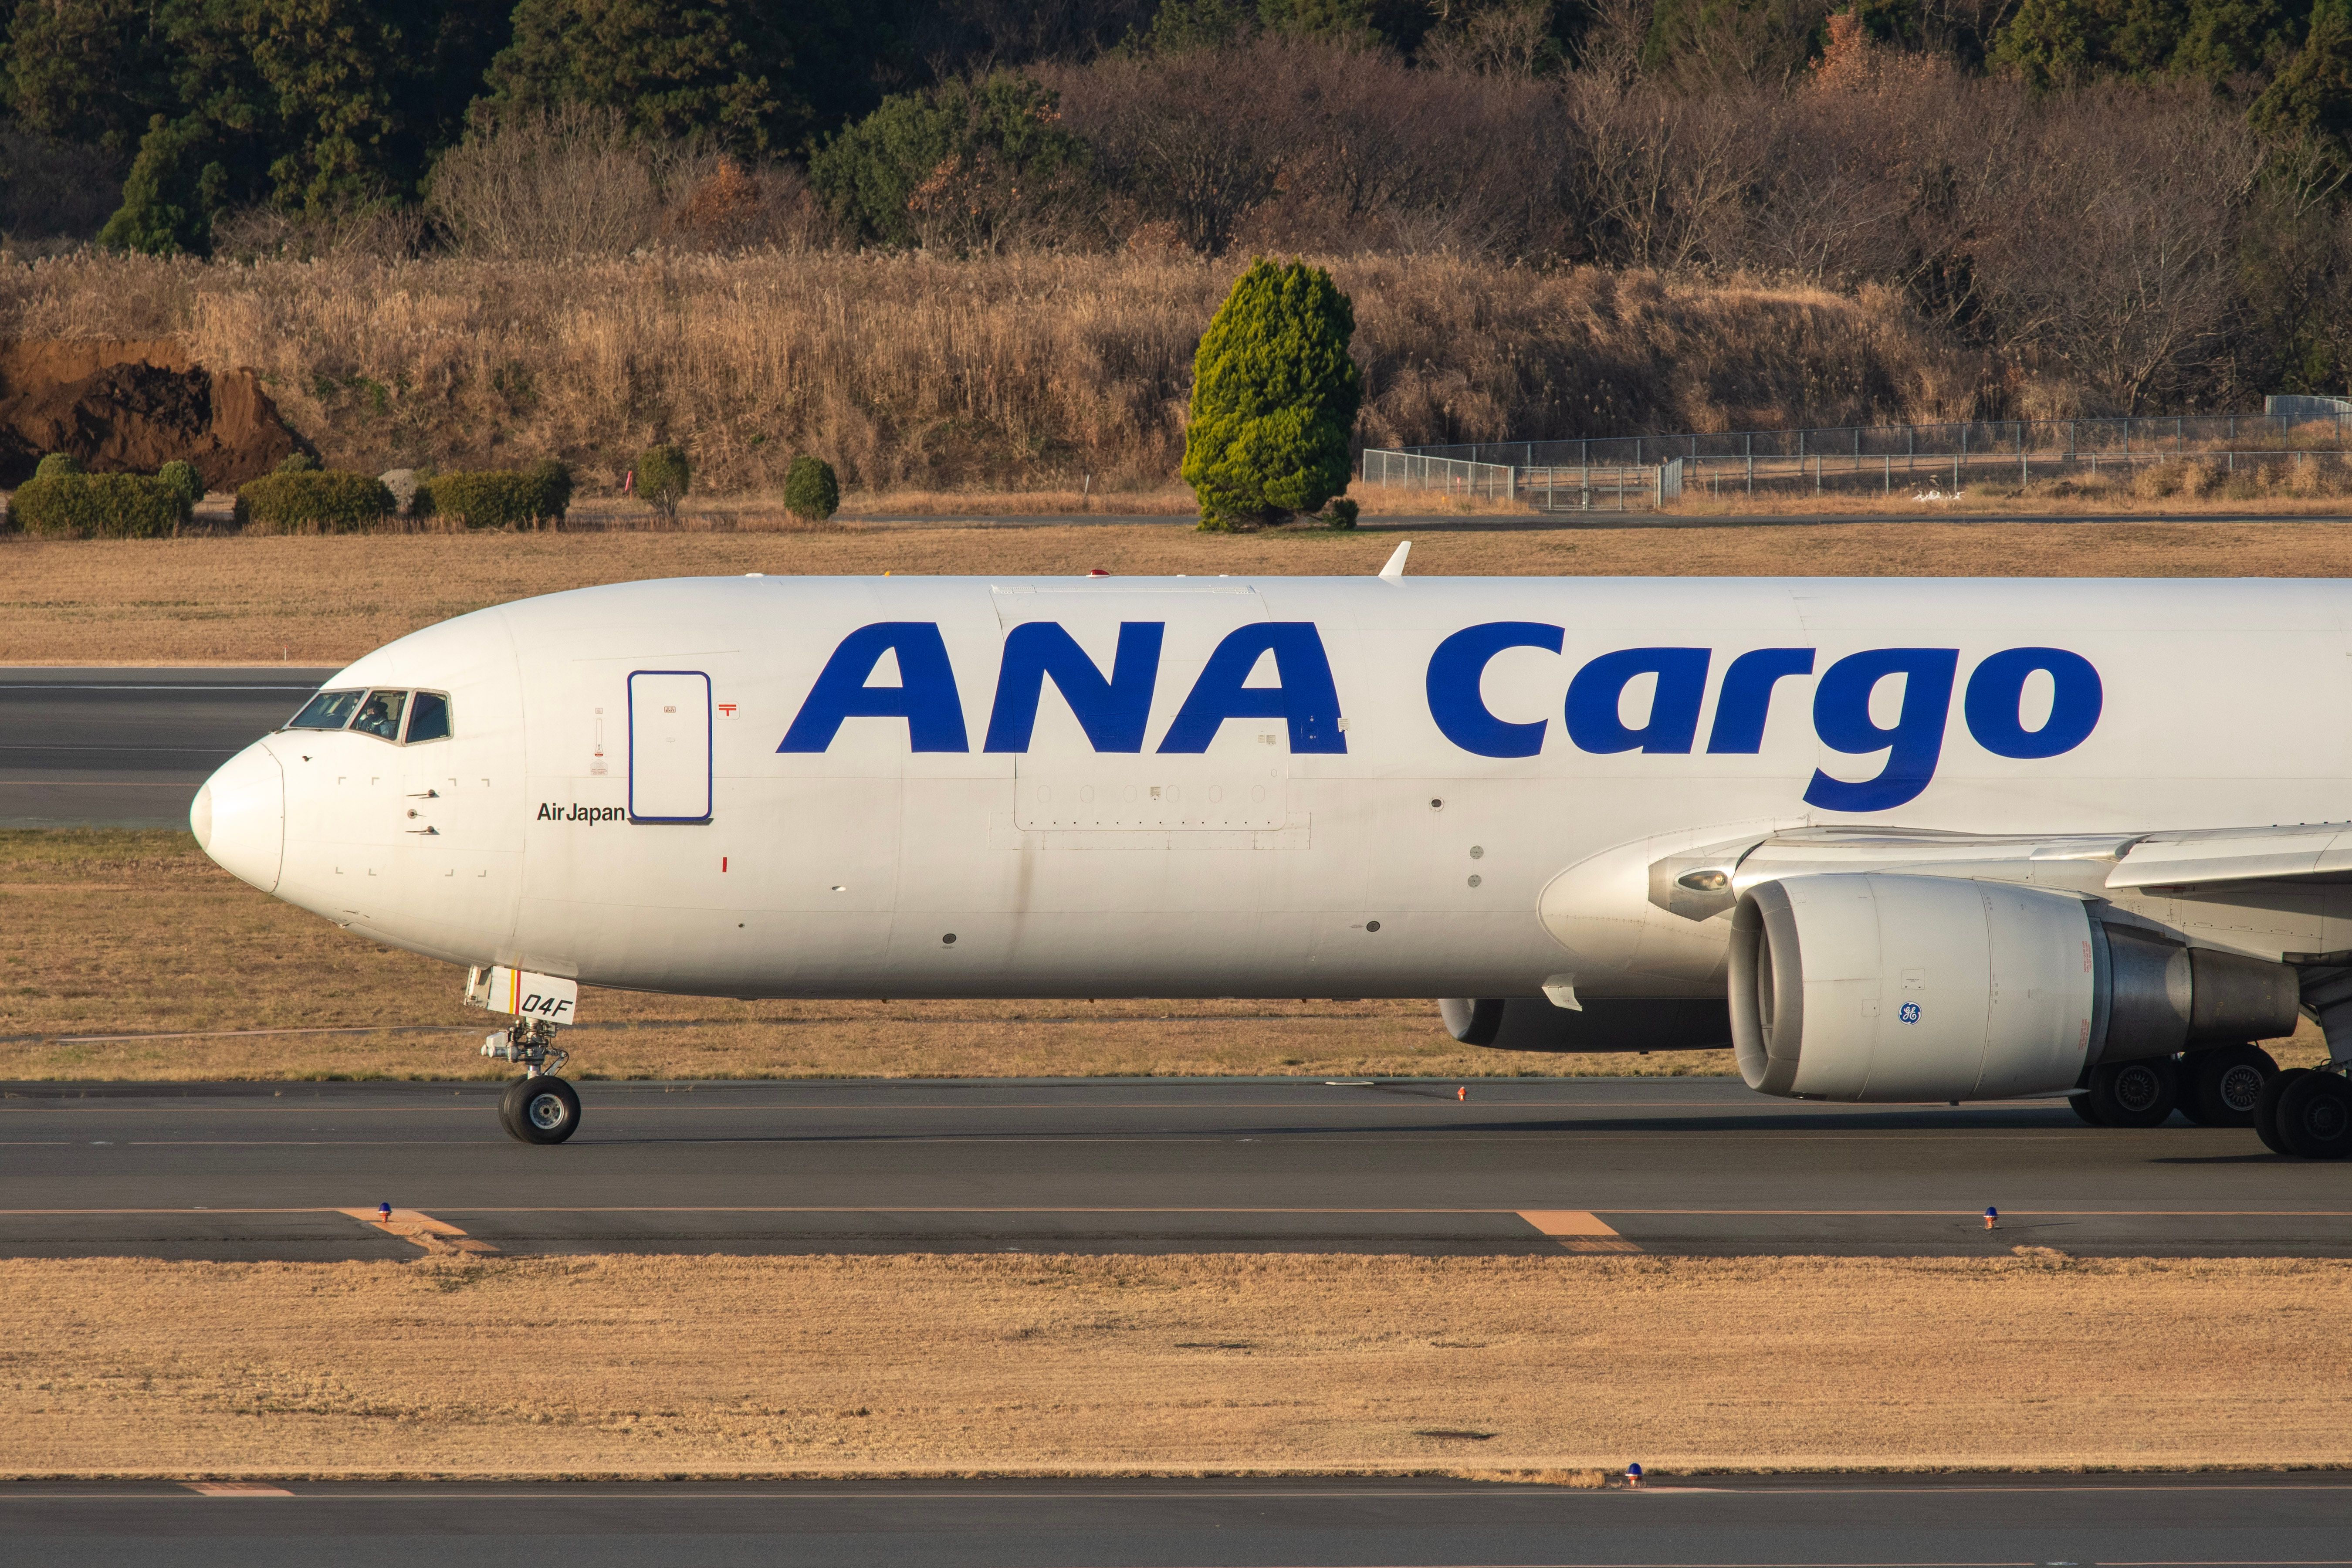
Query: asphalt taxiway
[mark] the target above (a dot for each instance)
(1723, 1522)
(129, 747)
(1666, 1165)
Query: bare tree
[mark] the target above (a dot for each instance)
(2112, 251)
(1171, 137)
(568, 182)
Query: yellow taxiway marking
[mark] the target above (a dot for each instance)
(410, 1224)
(235, 1488)
(1578, 1230)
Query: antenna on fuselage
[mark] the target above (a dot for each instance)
(1394, 570)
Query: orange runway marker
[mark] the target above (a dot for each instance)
(1578, 1230)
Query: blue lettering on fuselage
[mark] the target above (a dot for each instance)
(1912, 744)
(1114, 708)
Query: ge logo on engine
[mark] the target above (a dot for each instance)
(1910, 1013)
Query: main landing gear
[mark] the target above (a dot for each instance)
(539, 1107)
(2218, 1088)
(2306, 1112)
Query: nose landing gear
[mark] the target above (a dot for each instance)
(542, 1109)
(539, 1107)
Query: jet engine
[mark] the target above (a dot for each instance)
(1870, 986)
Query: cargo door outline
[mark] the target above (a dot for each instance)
(671, 792)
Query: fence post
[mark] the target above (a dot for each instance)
(1511, 483)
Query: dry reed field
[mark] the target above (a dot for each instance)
(136, 934)
(328, 599)
(1064, 1364)
(1025, 372)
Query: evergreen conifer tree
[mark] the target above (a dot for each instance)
(1275, 397)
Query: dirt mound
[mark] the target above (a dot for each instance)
(132, 407)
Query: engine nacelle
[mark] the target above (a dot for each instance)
(1868, 987)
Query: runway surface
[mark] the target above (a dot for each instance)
(127, 747)
(1786, 1521)
(1530, 1166)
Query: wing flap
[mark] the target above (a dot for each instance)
(2235, 855)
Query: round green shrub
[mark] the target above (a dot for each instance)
(663, 477)
(497, 498)
(96, 506)
(325, 502)
(182, 480)
(554, 487)
(811, 489)
(57, 465)
(1275, 397)
(297, 463)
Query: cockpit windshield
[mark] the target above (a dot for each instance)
(327, 710)
(379, 713)
(428, 717)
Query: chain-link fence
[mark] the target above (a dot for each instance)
(1596, 486)
(1970, 440)
(1933, 477)
(2295, 439)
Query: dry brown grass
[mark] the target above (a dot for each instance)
(136, 933)
(1019, 372)
(1221, 1362)
(328, 599)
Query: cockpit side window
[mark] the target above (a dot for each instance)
(380, 714)
(327, 710)
(428, 717)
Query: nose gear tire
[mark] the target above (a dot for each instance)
(542, 1109)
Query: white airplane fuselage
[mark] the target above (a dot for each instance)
(1276, 786)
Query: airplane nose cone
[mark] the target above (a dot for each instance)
(239, 817)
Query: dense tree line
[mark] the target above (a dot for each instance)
(2147, 195)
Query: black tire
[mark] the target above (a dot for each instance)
(2134, 1094)
(2081, 1101)
(509, 1102)
(2222, 1088)
(2315, 1117)
(2266, 1109)
(542, 1109)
